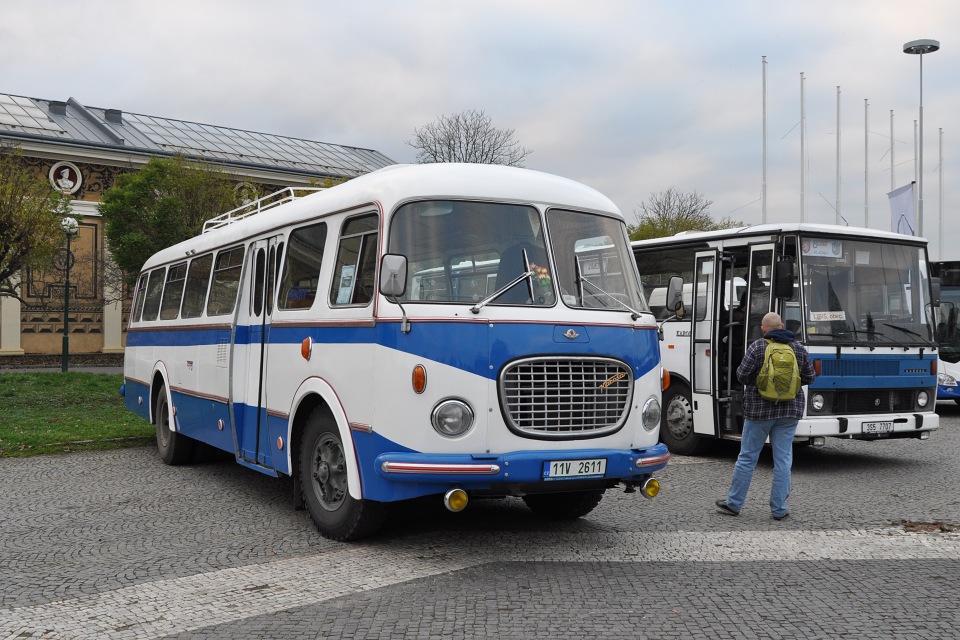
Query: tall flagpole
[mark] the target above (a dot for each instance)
(763, 176)
(940, 251)
(837, 207)
(803, 159)
(892, 180)
(866, 164)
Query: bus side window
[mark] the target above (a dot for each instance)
(173, 292)
(226, 282)
(151, 306)
(141, 294)
(355, 269)
(301, 268)
(195, 294)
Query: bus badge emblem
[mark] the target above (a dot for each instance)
(571, 334)
(609, 381)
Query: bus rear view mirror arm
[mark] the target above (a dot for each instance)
(393, 283)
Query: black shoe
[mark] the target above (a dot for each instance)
(723, 507)
(783, 517)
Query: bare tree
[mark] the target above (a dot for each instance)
(669, 212)
(467, 137)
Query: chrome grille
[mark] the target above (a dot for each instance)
(562, 398)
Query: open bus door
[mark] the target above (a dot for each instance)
(703, 345)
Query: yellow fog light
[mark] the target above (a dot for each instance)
(455, 500)
(650, 488)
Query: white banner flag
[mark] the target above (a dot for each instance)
(902, 219)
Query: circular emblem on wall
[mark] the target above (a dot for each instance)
(65, 177)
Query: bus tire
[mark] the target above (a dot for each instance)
(564, 506)
(174, 448)
(323, 476)
(676, 423)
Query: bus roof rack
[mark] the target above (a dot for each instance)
(259, 205)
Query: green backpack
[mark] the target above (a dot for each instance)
(779, 377)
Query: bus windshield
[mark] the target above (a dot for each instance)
(464, 252)
(861, 291)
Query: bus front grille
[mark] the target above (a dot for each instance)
(559, 398)
(872, 401)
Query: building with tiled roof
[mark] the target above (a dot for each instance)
(81, 150)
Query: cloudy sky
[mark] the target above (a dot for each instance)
(628, 96)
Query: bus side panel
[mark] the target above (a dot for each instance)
(203, 419)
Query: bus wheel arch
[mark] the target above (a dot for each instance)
(174, 448)
(323, 460)
(676, 423)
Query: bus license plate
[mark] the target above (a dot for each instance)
(877, 427)
(562, 469)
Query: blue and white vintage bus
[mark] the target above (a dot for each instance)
(452, 330)
(860, 300)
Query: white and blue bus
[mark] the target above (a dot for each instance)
(860, 300)
(948, 337)
(421, 330)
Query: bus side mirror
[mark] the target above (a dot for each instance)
(783, 278)
(935, 291)
(393, 275)
(675, 296)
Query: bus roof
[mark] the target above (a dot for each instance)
(786, 227)
(399, 183)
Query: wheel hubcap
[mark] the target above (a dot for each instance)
(678, 417)
(329, 473)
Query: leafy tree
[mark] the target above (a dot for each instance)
(30, 215)
(669, 212)
(467, 137)
(164, 202)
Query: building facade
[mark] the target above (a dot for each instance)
(81, 150)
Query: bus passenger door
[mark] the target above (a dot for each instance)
(252, 430)
(702, 336)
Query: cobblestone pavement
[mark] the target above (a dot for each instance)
(117, 545)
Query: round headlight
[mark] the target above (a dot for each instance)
(651, 414)
(452, 418)
(923, 398)
(816, 401)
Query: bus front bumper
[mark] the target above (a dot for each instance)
(894, 425)
(522, 472)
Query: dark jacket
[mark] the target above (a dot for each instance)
(757, 408)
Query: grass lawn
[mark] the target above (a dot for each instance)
(57, 412)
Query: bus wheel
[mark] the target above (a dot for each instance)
(564, 506)
(323, 474)
(174, 448)
(676, 424)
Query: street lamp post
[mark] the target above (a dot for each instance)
(920, 47)
(70, 227)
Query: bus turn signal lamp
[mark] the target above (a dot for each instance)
(419, 378)
(455, 500)
(650, 488)
(306, 348)
(664, 379)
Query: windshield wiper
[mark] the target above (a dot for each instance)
(582, 279)
(499, 292)
(908, 331)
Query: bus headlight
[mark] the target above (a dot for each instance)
(923, 398)
(946, 380)
(452, 418)
(816, 402)
(651, 414)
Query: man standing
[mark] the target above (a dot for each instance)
(765, 418)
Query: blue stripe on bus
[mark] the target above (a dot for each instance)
(876, 371)
(479, 348)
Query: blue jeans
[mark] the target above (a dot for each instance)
(755, 433)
